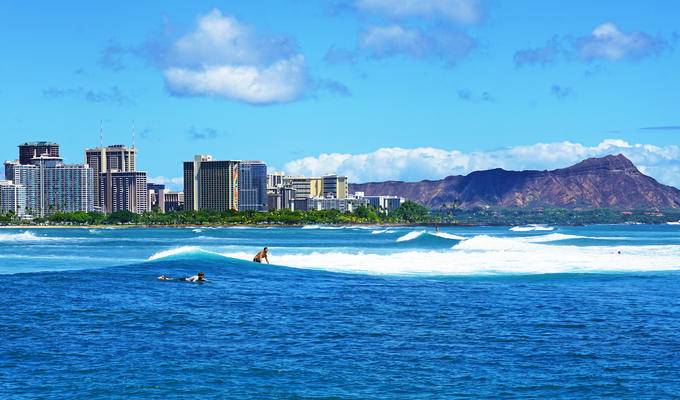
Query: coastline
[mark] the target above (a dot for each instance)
(298, 226)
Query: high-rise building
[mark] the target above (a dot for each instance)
(124, 191)
(30, 150)
(335, 186)
(52, 186)
(210, 185)
(252, 186)
(386, 203)
(305, 187)
(9, 169)
(12, 198)
(107, 159)
(156, 197)
(174, 201)
(275, 180)
(280, 198)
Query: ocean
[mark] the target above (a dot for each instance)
(341, 313)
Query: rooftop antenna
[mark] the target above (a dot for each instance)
(133, 133)
(101, 134)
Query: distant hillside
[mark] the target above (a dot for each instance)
(611, 181)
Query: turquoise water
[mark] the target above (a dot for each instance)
(357, 313)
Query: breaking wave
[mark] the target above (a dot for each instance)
(531, 228)
(479, 255)
(416, 234)
(26, 236)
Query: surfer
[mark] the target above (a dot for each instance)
(262, 254)
(200, 277)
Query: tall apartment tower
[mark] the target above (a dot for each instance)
(156, 197)
(305, 187)
(252, 186)
(29, 150)
(12, 198)
(335, 186)
(210, 185)
(52, 186)
(107, 159)
(124, 191)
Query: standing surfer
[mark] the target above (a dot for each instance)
(262, 254)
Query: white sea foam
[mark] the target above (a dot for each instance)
(476, 256)
(197, 230)
(531, 228)
(26, 236)
(416, 234)
(179, 251)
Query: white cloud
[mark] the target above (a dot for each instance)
(605, 42)
(461, 11)
(225, 58)
(392, 40)
(280, 82)
(609, 43)
(662, 163)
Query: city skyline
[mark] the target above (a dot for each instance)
(425, 90)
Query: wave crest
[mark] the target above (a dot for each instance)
(532, 228)
(416, 234)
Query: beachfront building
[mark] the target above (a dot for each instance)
(174, 201)
(52, 186)
(385, 203)
(331, 203)
(30, 150)
(210, 184)
(156, 197)
(252, 186)
(12, 198)
(124, 191)
(335, 186)
(107, 159)
(305, 187)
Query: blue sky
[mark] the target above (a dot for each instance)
(375, 89)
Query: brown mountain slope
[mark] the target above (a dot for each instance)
(611, 181)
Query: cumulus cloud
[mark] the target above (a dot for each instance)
(225, 58)
(392, 40)
(459, 11)
(281, 82)
(394, 163)
(605, 43)
(608, 42)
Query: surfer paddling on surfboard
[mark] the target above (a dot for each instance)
(200, 277)
(262, 254)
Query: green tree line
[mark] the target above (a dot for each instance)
(408, 212)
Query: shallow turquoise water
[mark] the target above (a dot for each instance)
(361, 313)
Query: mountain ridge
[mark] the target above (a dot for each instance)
(611, 181)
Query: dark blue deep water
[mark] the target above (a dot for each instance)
(351, 313)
